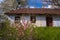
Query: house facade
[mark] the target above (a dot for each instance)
(38, 16)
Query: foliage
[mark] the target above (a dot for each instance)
(8, 5)
(31, 33)
(44, 33)
(7, 32)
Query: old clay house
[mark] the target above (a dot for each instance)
(44, 16)
(38, 16)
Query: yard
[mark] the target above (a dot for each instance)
(31, 33)
(37, 33)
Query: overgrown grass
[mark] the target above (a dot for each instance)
(44, 33)
(31, 33)
(7, 32)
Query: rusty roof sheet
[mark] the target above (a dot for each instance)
(34, 11)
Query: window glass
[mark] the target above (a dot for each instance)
(17, 19)
(33, 19)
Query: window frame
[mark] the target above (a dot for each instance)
(17, 19)
(33, 18)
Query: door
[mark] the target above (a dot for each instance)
(49, 21)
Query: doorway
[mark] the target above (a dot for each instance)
(49, 21)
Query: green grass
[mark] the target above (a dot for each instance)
(32, 33)
(45, 33)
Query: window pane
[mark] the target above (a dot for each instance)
(17, 19)
(33, 19)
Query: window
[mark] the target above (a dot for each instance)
(18, 2)
(17, 19)
(33, 19)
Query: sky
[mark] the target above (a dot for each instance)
(1, 1)
(35, 3)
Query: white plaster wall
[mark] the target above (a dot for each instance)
(27, 17)
(41, 20)
(11, 18)
(56, 21)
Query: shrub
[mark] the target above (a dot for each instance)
(44, 33)
(7, 32)
(32, 33)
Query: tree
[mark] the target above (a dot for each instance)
(56, 2)
(22, 3)
(53, 3)
(6, 31)
(8, 5)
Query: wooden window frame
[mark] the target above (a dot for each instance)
(33, 19)
(17, 19)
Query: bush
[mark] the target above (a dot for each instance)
(7, 32)
(44, 33)
(32, 33)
